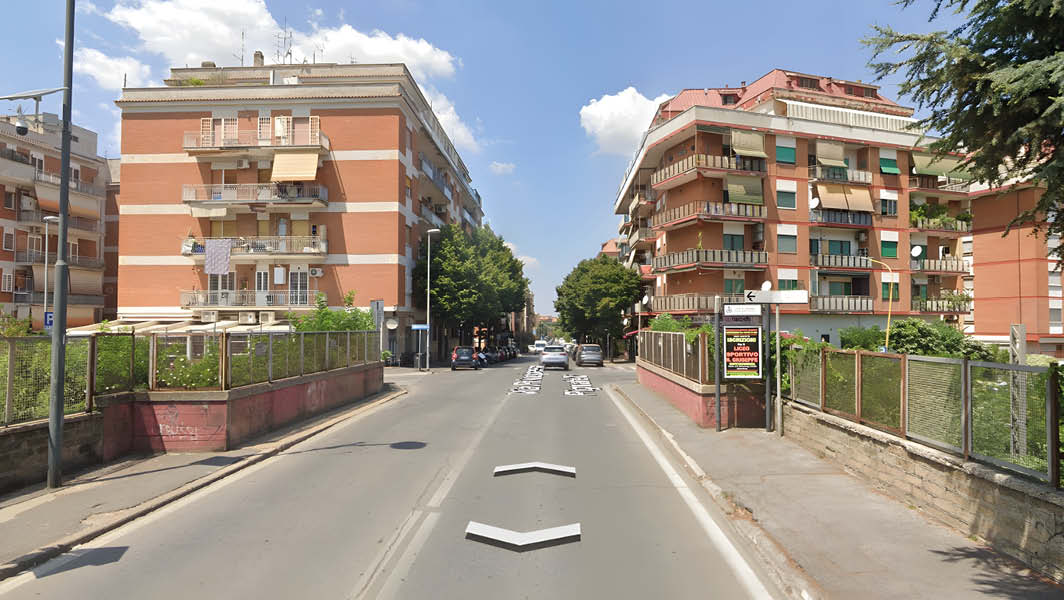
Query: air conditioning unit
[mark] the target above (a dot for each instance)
(247, 318)
(316, 272)
(209, 316)
(243, 163)
(267, 316)
(862, 236)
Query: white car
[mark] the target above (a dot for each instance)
(539, 346)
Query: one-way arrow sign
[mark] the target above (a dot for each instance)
(520, 542)
(777, 296)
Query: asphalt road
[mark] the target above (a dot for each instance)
(378, 507)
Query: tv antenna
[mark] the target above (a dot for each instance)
(242, 49)
(284, 44)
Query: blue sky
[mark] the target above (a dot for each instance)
(545, 100)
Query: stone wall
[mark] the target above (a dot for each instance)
(1016, 516)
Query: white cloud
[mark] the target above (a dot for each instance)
(87, 7)
(109, 71)
(531, 262)
(617, 121)
(501, 168)
(461, 135)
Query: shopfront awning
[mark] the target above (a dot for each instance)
(859, 198)
(947, 166)
(832, 195)
(748, 143)
(295, 166)
(745, 190)
(830, 154)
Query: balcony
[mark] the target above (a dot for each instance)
(690, 303)
(624, 225)
(721, 259)
(841, 304)
(254, 247)
(933, 305)
(434, 176)
(640, 237)
(690, 165)
(75, 184)
(25, 297)
(313, 194)
(430, 215)
(839, 261)
(37, 257)
(948, 225)
(15, 166)
(247, 299)
(842, 218)
(639, 206)
(468, 218)
(954, 266)
(196, 142)
(934, 183)
(839, 175)
(80, 223)
(709, 211)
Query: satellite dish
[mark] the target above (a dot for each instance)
(814, 202)
(626, 321)
(391, 324)
(766, 286)
(916, 251)
(646, 299)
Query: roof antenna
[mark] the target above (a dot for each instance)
(242, 50)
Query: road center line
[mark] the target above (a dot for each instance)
(727, 549)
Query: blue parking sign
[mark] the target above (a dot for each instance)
(49, 319)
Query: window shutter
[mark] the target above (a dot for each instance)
(205, 129)
(315, 128)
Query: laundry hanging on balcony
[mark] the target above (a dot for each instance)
(216, 256)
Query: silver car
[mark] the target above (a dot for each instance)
(554, 356)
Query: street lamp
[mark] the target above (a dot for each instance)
(47, 220)
(428, 297)
(890, 298)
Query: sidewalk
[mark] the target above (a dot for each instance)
(37, 524)
(850, 540)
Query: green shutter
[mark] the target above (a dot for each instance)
(786, 199)
(786, 243)
(785, 155)
(886, 290)
(888, 249)
(889, 165)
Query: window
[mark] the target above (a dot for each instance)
(9, 200)
(38, 162)
(787, 284)
(9, 240)
(814, 246)
(966, 247)
(1054, 314)
(75, 174)
(7, 284)
(34, 244)
(888, 249)
(869, 93)
(785, 155)
(840, 288)
(839, 247)
(733, 242)
(808, 83)
(729, 99)
(72, 249)
(786, 199)
(787, 243)
(919, 291)
(734, 286)
(264, 128)
(888, 207)
(886, 292)
(849, 90)
(73, 138)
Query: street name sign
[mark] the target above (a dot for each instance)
(420, 327)
(742, 310)
(742, 352)
(777, 296)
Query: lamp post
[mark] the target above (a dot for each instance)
(890, 298)
(47, 220)
(428, 297)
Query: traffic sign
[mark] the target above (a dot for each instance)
(777, 296)
(742, 310)
(420, 327)
(49, 319)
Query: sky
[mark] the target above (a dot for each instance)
(545, 100)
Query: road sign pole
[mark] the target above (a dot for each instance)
(779, 376)
(766, 321)
(716, 358)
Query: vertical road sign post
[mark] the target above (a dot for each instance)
(775, 297)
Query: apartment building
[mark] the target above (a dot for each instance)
(806, 181)
(248, 191)
(30, 168)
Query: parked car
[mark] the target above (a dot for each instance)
(492, 354)
(540, 345)
(554, 356)
(588, 354)
(507, 352)
(531, 348)
(464, 356)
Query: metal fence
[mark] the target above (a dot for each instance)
(1002, 414)
(261, 357)
(671, 351)
(25, 377)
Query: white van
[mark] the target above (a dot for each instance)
(540, 345)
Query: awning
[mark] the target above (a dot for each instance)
(889, 166)
(830, 154)
(748, 143)
(859, 198)
(745, 190)
(295, 166)
(832, 195)
(79, 206)
(946, 166)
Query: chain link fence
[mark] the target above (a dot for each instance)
(881, 390)
(935, 410)
(261, 357)
(1008, 408)
(25, 378)
(840, 383)
(805, 378)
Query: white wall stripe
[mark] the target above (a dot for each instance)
(329, 259)
(154, 209)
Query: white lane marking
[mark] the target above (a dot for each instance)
(523, 538)
(735, 561)
(378, 561)
(402, 567)
(536, 466)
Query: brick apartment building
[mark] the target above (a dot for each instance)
(29, 184)
(808, 182)
(304, 179)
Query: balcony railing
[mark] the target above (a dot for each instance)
(708, 161)
(10, 154)
(24, 297)
(37, 257)
(75, 184)
(251, 193)
(262, 245)
(840, 217)
(840, 261)
(431, 216)
(943, 225)
(738, 258)
(702, 303)
(839, 174)
(80, 223)
(710, 210)
(938, 305)
(435, 175)
(840, 303)
(939, 265)
(249, 138)
(639, 234)
(247, 298)
(939, 184)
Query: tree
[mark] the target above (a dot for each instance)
(592, 297)
(324, 318)
(863, 338)
(995, 88)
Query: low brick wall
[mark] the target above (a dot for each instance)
(737, 408)
(1017, 517)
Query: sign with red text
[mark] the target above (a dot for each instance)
(742, 352)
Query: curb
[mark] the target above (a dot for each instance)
(63, 545)
(786, 574)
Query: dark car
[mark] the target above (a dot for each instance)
(464, 356)
(588, 354)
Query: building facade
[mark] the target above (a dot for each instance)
(805, 181)
(247, 192)
(30, 168)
